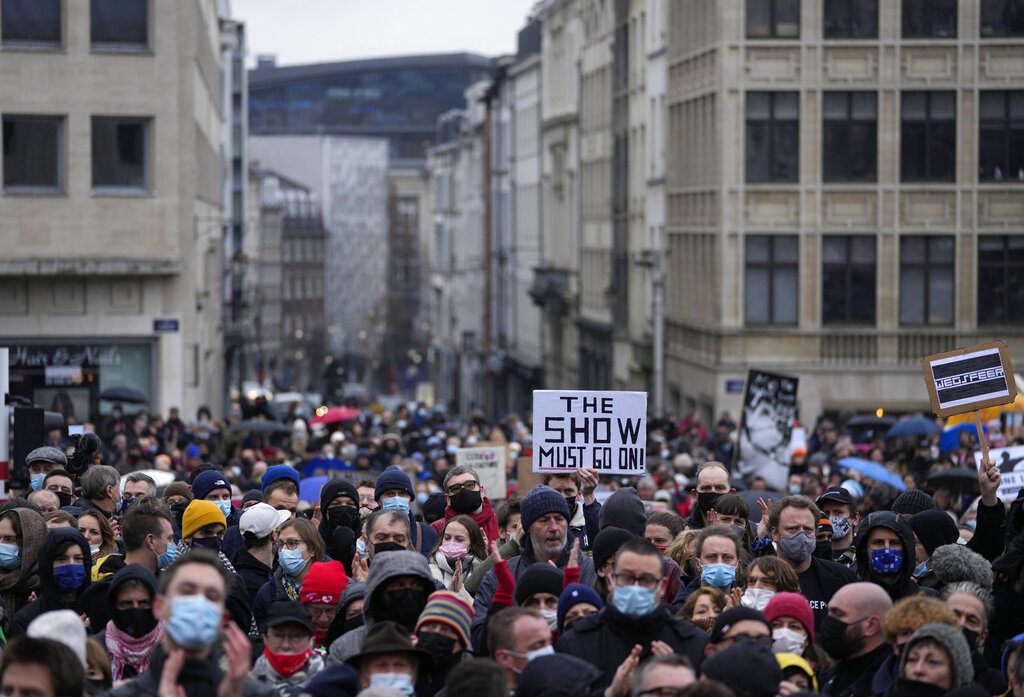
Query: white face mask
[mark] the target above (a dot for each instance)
(551, 617)
(787, 641)
(756, 598)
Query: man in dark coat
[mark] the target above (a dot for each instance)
(853, 635)
(635, 615)
(886, 553)
(64, 549)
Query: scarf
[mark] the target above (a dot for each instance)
(126, 650)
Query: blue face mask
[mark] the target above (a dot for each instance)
(393, 681)
(225, 508)
(36, 481)
(291, 561)
(634, 601)
(421, 498)
(718, 575)
(886, 561)
(194, 621)
(167, 558)
(10, 557)
(69, 577)
(921, 570)
(395, 503)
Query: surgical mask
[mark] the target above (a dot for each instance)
(225, 508)
(551, 617)
(841, 527)
(36, 481)
(454, 550)
(537, 653)
(291, 561)
(194, 621)
(921, 570)
(392, 681)
(10, 557)
(787, 641)
(168, 556)
(69, 577)
(718, 575)
(886, 561)
(794, 488)
(94, 549)
(799, 547)
(395, 503)
(634, 601)
(756, 598)
(421, 498)
(451, 449)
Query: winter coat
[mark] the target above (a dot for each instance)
(50, 598)
(443, 572)
(605, 639)
(1007, 602)
(851, 677)
(198, 678)
(902, 687)
(486, 519)
(262, 672)
(383, 568)
(988, 539)
(901, 585)
(273, 590)
(239, 604)
(254, 573)
(585, 524)
(20, 582)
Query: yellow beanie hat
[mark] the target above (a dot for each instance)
(198, 515)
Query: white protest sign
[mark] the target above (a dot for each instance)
(1010, 463)
(489, 463)
(603, 430)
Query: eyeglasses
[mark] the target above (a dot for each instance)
(471, 485)
(289, 638)
(293, 544)
(667, 691)
(316, 612)
(384, 537)
(645, 581)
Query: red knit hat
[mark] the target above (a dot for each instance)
(791, 605)
(324, 583)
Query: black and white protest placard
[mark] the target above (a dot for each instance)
(969, 379)
(603, 430)
(1010, 463)
(769, 409)
(489, 463)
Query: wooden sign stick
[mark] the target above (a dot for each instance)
(981, 437)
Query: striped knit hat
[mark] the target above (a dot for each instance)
(448, 609)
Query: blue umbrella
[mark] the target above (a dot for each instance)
(309, 489)
(950, 438)
(325, 464)
(873, 470)
(913, 426)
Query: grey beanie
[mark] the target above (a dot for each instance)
(954, 563)
(952, 639)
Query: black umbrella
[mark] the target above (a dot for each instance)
(260, 426)
(128, 395)
(956, 479)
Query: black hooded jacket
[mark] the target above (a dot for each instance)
(50, 598)
(131, 572)
(1007, 600)
(901, 585)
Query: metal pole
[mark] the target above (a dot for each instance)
(5, 421)
(658, 283)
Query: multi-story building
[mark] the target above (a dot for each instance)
(844, 194)
(112, 204)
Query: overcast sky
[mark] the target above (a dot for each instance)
(313, 31)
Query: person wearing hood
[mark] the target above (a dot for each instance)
(545, 524)
(394, 492)
(255, 563)
(905, 618)
(885, 553)
(133, 632)
(712, 481)
(350, 612)
(21, 532)
(636, 614)
(299, 547)
(443, 632)
(288, 659)
(932, 528)
(465, 495)
(64, 568)
(1008, 585)
(935, 662)
(397, 589)
(585, 517)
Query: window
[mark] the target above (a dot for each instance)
(848, 279)
(1000, 279)
(1001, 138)
(119, 24)
(30, 23)
(773, 136)
(32, 153)
(929, 19)
(119, 152)
(927, 280)
(928, 136)
(773, 19)
(771, 279)
(849, 136)
(1002, 18)
(851, 19)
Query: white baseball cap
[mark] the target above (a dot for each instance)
(261, 519)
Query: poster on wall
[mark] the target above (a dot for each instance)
(766, 423)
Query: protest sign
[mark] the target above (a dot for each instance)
(489, 463)
(526, 478)
(1010, 463)
(769, 408)
(603, 430)
(969, 379)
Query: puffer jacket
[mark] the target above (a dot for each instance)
(901, 584)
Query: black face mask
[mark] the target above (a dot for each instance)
(571, 503)
(136, 621)
(706, 501)
(466, 501)
(437, 645)
(343, 516)
(402, 606)
(387, 547)
(833, 638)
(353, 623)
(823, 549)
(972, 638)
(214, 544)
(65, 498)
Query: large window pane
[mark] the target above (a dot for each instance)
(1001, 136)
(913, 294)
(784, 296)
(850, 136)
(30, 22)
(758, 295)
(771, 279)
(1002, 18)
(851, 19)
(119, 153)
(119, 22)
(928, 136)
(772, 136)
(924, 19)
(773, 19)
(848, 279)
(32, 152)
(926, 280)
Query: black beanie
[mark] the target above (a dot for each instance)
(335, 488)
(912, 501)
(625, 510)
(934, 528)
(538, 578)
(607, 543)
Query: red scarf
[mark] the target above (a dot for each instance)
(125, 650)
(287, 664)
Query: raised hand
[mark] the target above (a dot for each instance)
(762, 526)
(238, 650)
(624, 674)
(989, 480)
(574, 554)
(360, 568)
(456, 585)
(169, 686)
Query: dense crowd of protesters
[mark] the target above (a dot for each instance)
(194, 559)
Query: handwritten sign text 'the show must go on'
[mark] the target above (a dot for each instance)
(603, 430)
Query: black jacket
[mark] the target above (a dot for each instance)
(199, 678)
(1007, 601)
(900, 585)
(852, 677)
(605, 639)
(253, 572)
(50, 598)
(829, 577)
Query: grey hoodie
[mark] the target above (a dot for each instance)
(384, 567)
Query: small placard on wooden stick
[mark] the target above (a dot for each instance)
(969, 379)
